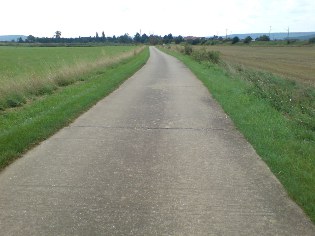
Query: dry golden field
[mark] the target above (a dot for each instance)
(297, 63)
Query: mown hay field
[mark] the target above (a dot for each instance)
(297, 63)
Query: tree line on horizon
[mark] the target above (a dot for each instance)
(137, 39)
(122, 39)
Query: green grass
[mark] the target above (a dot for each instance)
(281, 130)
(28, 61)
(26, 72)
(23, 127)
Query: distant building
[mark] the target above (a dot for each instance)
(191, 38)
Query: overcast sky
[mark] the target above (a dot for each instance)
(180, 17)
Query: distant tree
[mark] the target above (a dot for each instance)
(103, 37)
(97, 37)
(57, 34)
(125, 38)
(203, 40)
(137, 38)
(114, 39)
(44, 40)
(178, 39)
(263, 38)
(165, 39)
(311, 40)
(20, 40)
(30, 39)
(248, 39)
(196, 41)
(235, 40)
(154, 39)
(144, 38)
(170, 38)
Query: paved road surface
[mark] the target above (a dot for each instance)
(156, 157)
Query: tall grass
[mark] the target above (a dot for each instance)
(201, 54)
(293, 100)
(17, 88)
(275, 115)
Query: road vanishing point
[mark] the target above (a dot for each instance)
(156, 157)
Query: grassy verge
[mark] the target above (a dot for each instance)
(276, 116)
(24, 127)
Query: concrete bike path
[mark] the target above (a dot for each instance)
(156, 157)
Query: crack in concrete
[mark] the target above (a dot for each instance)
(147, 128)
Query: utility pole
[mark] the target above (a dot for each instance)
(269, 32)
(226, 33)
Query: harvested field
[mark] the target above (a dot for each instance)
(297, 63)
